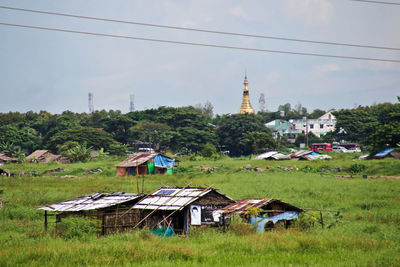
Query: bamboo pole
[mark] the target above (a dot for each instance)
(152, 212)
(181, 208)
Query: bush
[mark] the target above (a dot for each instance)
(78, 227)
(356, 168)
(241, 229)
(208, 150)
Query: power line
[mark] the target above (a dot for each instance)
(379, 2)
(203, 30)
(200, 44)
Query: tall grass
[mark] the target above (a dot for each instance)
(366, 232)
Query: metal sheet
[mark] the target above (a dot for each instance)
(91, 202)
(177, 198)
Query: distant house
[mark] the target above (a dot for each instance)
(145, 163)
(112, 209)
(308, 155)
(389, 152)
(282, 128)
(271, 155)
(321, 126)
(181, 208)
(272, 213)
(45, 156)
(4, 159)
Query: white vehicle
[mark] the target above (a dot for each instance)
(340, 149)
(146, 149)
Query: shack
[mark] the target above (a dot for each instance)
(45, 156)
(180, 208)
(308, 155)
(4, 159)
(113, 209)
(265, 213)
(145, 163)
(271, 155)
(386, 153)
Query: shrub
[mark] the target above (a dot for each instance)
(241, 229)
(78, 227)
(208, 150)
(356, 168)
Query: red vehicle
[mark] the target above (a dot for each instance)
(321, 147)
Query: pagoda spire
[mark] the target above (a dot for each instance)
(246, 106)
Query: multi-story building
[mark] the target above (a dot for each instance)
(324, 124)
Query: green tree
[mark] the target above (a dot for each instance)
(80, 152)
(93, 137)
(148, 131)
(257, 142)
(232, 129)
(26, 138)
(12, 150)
(208, 150)
(312, 138)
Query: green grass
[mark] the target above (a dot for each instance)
(366, 233)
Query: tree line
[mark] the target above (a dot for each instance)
(190, 129)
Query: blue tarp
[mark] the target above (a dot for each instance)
(163, 161)
(384, 152)
(260, 221)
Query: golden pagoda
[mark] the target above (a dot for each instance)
(246, 106)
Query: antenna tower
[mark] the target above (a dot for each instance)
(91, 108)
(261, 102)
(131, 105)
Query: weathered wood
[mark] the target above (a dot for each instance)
(322, 219)
(152, 212)
(45, 220)
(180, 209)
(321, 210)
(103, 226)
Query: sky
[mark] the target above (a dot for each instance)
(55, 71)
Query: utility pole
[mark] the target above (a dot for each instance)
(91, 107)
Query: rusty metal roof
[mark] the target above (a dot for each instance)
(39, 153)
(167, 198)
(137, 159)
(92, 202)
(300, 153)
(242, 206)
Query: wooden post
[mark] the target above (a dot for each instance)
(142, 183)
(223, 222)
(322, 219)
(103, 221)
(45, 220)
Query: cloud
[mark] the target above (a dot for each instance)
(238, 12)
(328, 68)
(313, 11)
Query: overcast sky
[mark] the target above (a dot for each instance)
(55, 71)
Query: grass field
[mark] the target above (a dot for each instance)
(365, 233)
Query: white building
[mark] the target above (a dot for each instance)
(321, 126)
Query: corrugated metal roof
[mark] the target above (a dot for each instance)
(300, 153)
(92, 202)
(4, 157)
(137, 159)
(265, 155)
(38, 153)
(167, 198)
(384, 152)
(242, 205)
